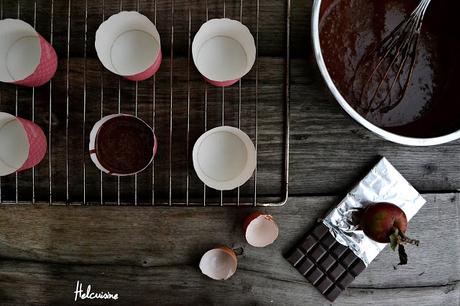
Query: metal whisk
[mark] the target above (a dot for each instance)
(383, 74)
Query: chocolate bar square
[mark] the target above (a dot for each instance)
(305, 266)
(329, 242)
(295, 257)
(338, 250)
(314, 276)
(337, 271)
(327, 264)
(308, 243)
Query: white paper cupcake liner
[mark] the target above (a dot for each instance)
(22, 144)
(224, 158)
(26, 58)
(223, 51)
(128, 44)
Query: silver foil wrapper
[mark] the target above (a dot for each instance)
(382, 184)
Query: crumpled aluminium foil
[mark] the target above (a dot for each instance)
(382, 184)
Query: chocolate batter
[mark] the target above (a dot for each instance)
(431, 106)
(124, 145)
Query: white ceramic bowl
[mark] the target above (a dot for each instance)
(405, 140)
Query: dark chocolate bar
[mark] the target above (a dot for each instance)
(325, 263)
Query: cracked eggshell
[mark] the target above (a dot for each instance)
(260, 229)
(219, 263)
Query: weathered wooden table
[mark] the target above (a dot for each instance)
(149, 255)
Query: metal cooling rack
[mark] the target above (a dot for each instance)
(11, 187)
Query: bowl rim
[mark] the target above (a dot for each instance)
(404, 140)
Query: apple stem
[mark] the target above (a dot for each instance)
(398, 239)
(406, 240)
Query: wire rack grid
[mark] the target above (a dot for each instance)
(60, 180)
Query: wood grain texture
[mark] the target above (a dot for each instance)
(181, 285)
(328, 150)
(77, 79)
(164, 13)
(150, 255)
(154, 107)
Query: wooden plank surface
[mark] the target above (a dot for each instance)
(270, 123)
(151, 256)
(327, 148)
(77, 79)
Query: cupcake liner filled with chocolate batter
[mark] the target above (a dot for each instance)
(122, 145)
(431, 105)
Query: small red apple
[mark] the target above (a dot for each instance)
(386, 223)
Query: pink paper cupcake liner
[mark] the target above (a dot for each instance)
(23, 144)
(37, 144)
(128, 44)
(45, 70)
(26, 58)
(221, 84)
(223, 51)
(149, 72)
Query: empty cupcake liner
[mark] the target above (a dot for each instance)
(223, 51)
(93, 151)
(26, 58)
(23, 144)
(128, 44)
(224, 158)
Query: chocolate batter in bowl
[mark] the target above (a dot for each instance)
(429, 114)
